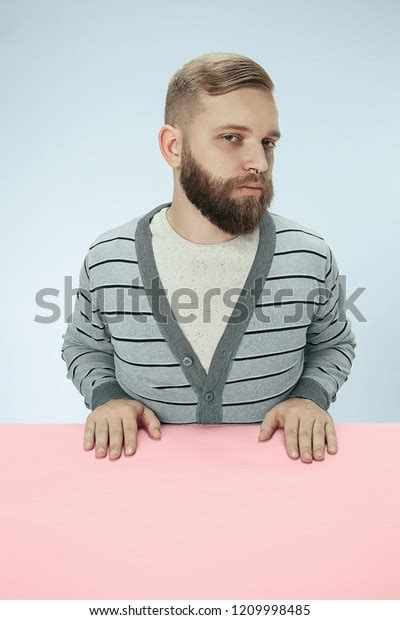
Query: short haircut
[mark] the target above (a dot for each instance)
(215, 74)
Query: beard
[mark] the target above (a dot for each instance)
(212, 196)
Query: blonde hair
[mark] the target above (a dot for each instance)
(214, 73)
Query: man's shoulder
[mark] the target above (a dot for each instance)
(119, 239)
(284, 224)
(291, 232)
(124, 230)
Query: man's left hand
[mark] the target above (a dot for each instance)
(306, 427)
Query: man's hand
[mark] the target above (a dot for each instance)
(119, 419)
(306, 426)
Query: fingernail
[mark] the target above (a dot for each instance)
(307, 455)
(114, 453)
(294, 453)
(129, 450)
(157, 432)
(318, 453)
(88, 444)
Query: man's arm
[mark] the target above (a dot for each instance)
(329, 352)
(87, 349)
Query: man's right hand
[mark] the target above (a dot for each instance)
(117, 422)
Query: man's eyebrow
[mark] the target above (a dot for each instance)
(275, 132)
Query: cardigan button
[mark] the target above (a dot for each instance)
(187, 361)
(209, 396)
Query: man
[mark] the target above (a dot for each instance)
(278, 354)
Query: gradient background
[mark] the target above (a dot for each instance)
(83, 92)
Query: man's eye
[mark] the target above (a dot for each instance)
(271, 142)
(229, 136)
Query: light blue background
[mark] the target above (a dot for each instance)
(83, 92)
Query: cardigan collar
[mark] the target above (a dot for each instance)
(201, 381)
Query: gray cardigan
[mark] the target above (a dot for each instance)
(287, 336)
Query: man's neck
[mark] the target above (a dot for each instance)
(190, 224)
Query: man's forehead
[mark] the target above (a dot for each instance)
(218, 117)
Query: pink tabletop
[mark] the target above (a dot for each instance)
(207, 512)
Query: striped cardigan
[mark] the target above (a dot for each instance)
(288, 335)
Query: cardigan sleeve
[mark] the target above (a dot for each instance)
(87, 349)
(330, 347)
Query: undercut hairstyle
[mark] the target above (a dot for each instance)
(212, 74)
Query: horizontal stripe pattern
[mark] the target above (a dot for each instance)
(298, 342)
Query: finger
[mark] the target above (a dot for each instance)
(151, 422)
(305, 439)
(319, 440)
(130, 427)
(267, 428)
(291, 435)
(101, 433)
(88, 437)
(115, 432)
(331, 438)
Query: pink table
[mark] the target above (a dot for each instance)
(207, 512)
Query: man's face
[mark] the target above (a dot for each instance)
(226, 160)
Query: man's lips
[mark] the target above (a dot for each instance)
(253, 186)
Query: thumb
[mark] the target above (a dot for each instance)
(270, 423)
(151, 422)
